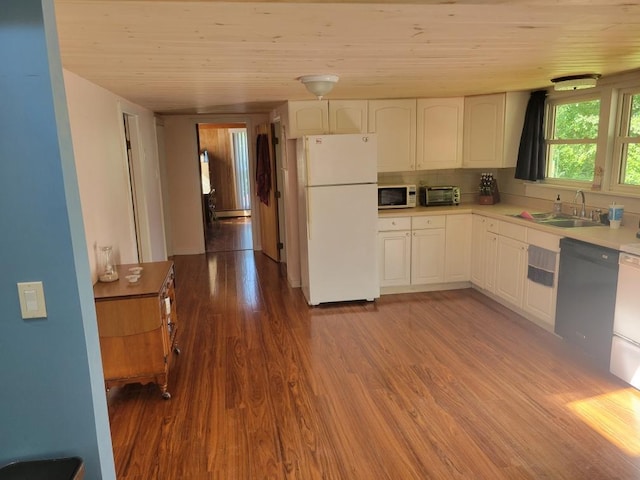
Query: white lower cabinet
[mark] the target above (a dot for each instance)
(505, 256)
(540, 300)
(500, 262)
(484, 275)
(395, 258)
(457, 263)
(424, 252)
(436, 250)
(510, 270)
(478, 256)
(490, 260)
(394, 251)
(427, 249)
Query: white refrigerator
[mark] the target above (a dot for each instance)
(625, 345)
(338, 217)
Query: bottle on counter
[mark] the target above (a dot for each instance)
(557, 205)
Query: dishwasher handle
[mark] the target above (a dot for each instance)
(589, 252)
(629, 260)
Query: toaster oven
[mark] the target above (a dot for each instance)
(442, 195)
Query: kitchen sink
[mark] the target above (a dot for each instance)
(561, 220)
(569, 222)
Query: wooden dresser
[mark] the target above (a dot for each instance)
(137, 324)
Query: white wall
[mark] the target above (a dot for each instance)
(97, 131)
(183, 178)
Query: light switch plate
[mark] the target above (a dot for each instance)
(32, 304)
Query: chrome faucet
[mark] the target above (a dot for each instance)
(583, 210)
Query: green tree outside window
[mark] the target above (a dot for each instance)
(630, 168)
(572, 146)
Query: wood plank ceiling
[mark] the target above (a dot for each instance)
(214, 57)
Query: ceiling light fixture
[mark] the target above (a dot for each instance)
(319, 85)
(575, 82)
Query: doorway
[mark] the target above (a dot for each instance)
(130, 134)
(225, 187)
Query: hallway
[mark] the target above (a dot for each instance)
(229, 234)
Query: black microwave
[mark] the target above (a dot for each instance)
(396, 196)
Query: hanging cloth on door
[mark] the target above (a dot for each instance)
(541, 265)
(263, 168)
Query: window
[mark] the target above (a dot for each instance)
(627, 146)
(572, 134)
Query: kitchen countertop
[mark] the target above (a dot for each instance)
(617, 239)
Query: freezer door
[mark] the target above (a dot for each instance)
(341, 244)
(627, 313)
(340, 159)
(625, 361)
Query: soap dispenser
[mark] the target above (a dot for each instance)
(557, 205)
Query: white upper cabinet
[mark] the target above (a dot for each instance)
(348, 116)
(439, 133)
(308, 117)
(395, 123)
(492, 129)
(320, 117)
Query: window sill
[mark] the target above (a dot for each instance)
(586, 187)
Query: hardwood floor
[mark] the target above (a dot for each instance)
(441, 385)
(228, 234)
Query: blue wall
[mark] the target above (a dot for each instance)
(52, 400)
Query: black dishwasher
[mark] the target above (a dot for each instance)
(587, 281)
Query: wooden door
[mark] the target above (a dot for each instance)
(268, 212)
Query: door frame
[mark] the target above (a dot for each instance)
(137, 212)
(278, 139)
(250, 122)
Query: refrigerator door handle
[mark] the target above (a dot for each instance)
(308, 215)
(306, 160)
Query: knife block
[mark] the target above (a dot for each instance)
(491, 199)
